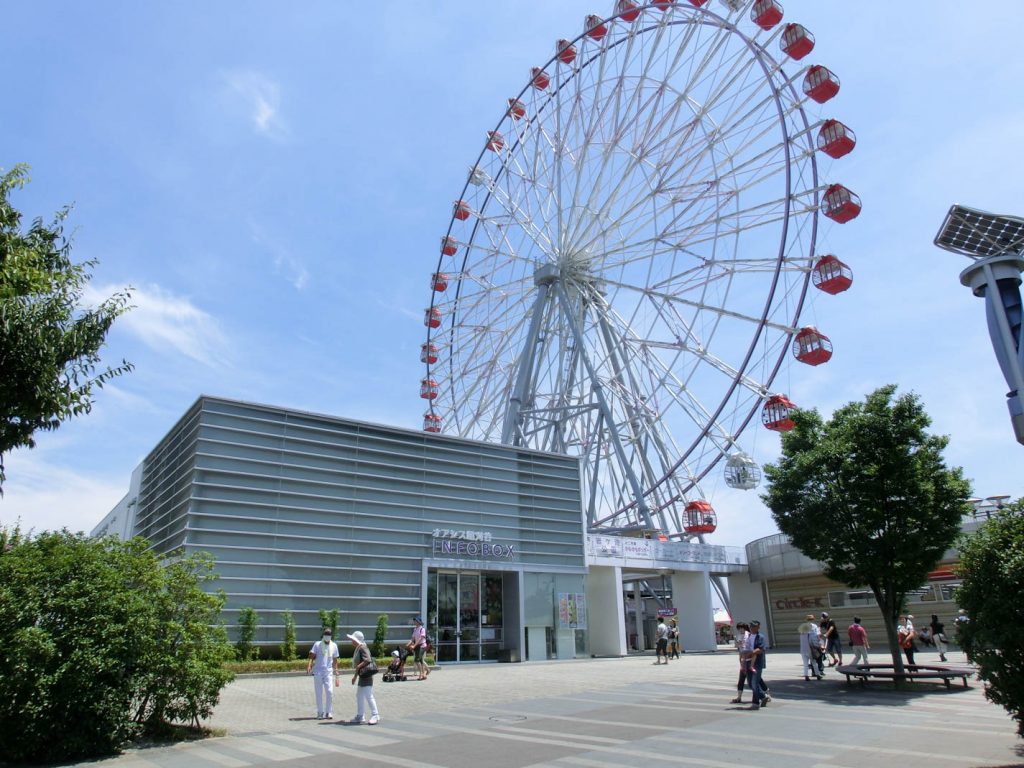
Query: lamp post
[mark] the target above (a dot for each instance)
(995, 245)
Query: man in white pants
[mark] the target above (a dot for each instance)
(323, 663)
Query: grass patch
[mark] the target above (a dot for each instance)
(162, 734)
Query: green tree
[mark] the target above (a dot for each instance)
(288, 647)
(49, 343)
(102, 639)
(380, 638)
(868, 495)
(248, 622)
(184, 672)
(992, 568)
(330, 619)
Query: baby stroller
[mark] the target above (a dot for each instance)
(395, 671)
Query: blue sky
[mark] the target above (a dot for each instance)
(273, 182)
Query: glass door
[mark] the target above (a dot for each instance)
(468, 606)
(469, 617)
(446, 635)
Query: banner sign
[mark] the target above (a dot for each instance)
(572, 610)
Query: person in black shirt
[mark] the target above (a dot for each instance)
(830, 636)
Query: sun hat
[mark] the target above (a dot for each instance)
(357, 636)
(418, 619)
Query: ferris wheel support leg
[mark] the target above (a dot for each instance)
(637, 422)
(509, 429)
(606, 412)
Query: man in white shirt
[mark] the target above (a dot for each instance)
(661, 633)
(323, 664)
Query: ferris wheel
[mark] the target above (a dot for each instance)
(624, 270)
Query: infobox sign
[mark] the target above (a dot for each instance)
(476, 545)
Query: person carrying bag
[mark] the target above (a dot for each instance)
(364, 667)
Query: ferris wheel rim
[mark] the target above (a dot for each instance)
(760, 56)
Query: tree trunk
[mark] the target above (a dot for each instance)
(890, 612)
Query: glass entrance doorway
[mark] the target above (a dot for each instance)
(468, 607)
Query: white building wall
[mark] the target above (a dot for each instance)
(746, 599)
(605, 611)
(691, 594)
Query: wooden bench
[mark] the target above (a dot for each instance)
(915, 672)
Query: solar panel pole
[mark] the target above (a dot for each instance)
(995, 244)
(997, 279)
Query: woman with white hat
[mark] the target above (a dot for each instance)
(363, 669)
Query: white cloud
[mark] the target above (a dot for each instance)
(262, 97)
(285, 262)
(162, 320)
(43, 496)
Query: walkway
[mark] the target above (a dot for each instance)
(599, 714)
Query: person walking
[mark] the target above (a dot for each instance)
(362, 664)
(858, 641)
(661, 647)
(905, 638)
(323, 665)
(938, 636)
(673, 639)
(741, 642)
(757, 648)
(810, 641)
(418, 645)
(830, 636)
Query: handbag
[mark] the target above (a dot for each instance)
(369, 670)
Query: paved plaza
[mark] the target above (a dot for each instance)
(601, 713)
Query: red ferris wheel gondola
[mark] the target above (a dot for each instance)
(699, 517)
(775, 415)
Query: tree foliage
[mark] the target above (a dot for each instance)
(992, 568)
(100, 641)
(248, 622)
(380, 636)
(329, 619)
(868, 495)
(49, 343)
(288, 651)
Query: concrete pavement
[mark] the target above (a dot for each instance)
(600, 713)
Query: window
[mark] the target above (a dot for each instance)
(924, 594)
(946, 590)
(853, 599)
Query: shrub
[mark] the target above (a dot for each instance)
(246, 648)
(288, 647)
(99, 641)
(329, 619)
(380, 638)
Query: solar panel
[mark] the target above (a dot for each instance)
(979, 234)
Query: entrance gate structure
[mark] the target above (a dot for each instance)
(619, 564)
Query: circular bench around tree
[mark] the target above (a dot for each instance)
(916, 672)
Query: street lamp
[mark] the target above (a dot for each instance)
(995, 245)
